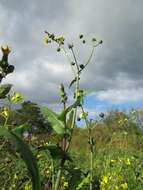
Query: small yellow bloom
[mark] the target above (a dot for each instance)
(105, 179)
(127, 161)
(27, 187)
(124, 185)
(15, 176)
(113, 161)
(17, 98)
(66, 184)
(5, 112)
(116, 187)
(46, 40)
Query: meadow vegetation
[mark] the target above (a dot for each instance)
(44, 150)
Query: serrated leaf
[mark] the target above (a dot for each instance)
(52, 117)
(26, 155)
(4, 90)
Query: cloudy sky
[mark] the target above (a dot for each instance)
(115, 77)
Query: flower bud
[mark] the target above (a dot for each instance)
(81, 66)
(70, 46)
(81, 36)
(83, 41)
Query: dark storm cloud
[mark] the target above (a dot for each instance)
(117, 64)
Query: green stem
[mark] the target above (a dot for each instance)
(59, 174)
(88, 125)
(91, 170)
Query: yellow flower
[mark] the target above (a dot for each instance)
(127, 161)
(116, 187)
(105, 179)
(124, 185)
(113, 161)
(39, 156)
(17, 98)
(27, 187)
(5, 112)
(66, 184)
(6, 50)
(46, 40)
(15, 176)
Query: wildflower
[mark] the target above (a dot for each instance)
(66, 184)
(125, 120)
(39, 156)
(60, 39)
(113, 161)
(5, 112)
(116, 187)
(124, 185)
(27, 187)
(15, 176)
(17, 98)
(127, 161)
(105, 179)
(46, 40)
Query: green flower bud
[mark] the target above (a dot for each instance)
(94, 39)
(81, 66)
(72, 63)
(58, 49)
(81, 36)
(70, 46)
(101, 41)
(83, 41)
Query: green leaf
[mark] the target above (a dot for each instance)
(21, 129)
(70, 119)
(26, 155)
(68, 109)
(4, 90)
(52, 117)
(55, 151)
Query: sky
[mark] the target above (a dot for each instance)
(113, 80)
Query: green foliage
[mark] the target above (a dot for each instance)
(26, 155)
(4, 90)
(56, 124)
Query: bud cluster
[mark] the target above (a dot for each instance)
(63, 94)
(5, 68)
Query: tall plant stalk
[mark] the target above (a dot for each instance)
(78, 96)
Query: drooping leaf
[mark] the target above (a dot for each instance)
(26, 155)
(52, 117)
(55, 151)
(70, 119)
(68, 109)
(4, 90)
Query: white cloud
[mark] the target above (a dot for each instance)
(119, 96)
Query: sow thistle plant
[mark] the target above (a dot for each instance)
(64, 123)
(13, 134)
